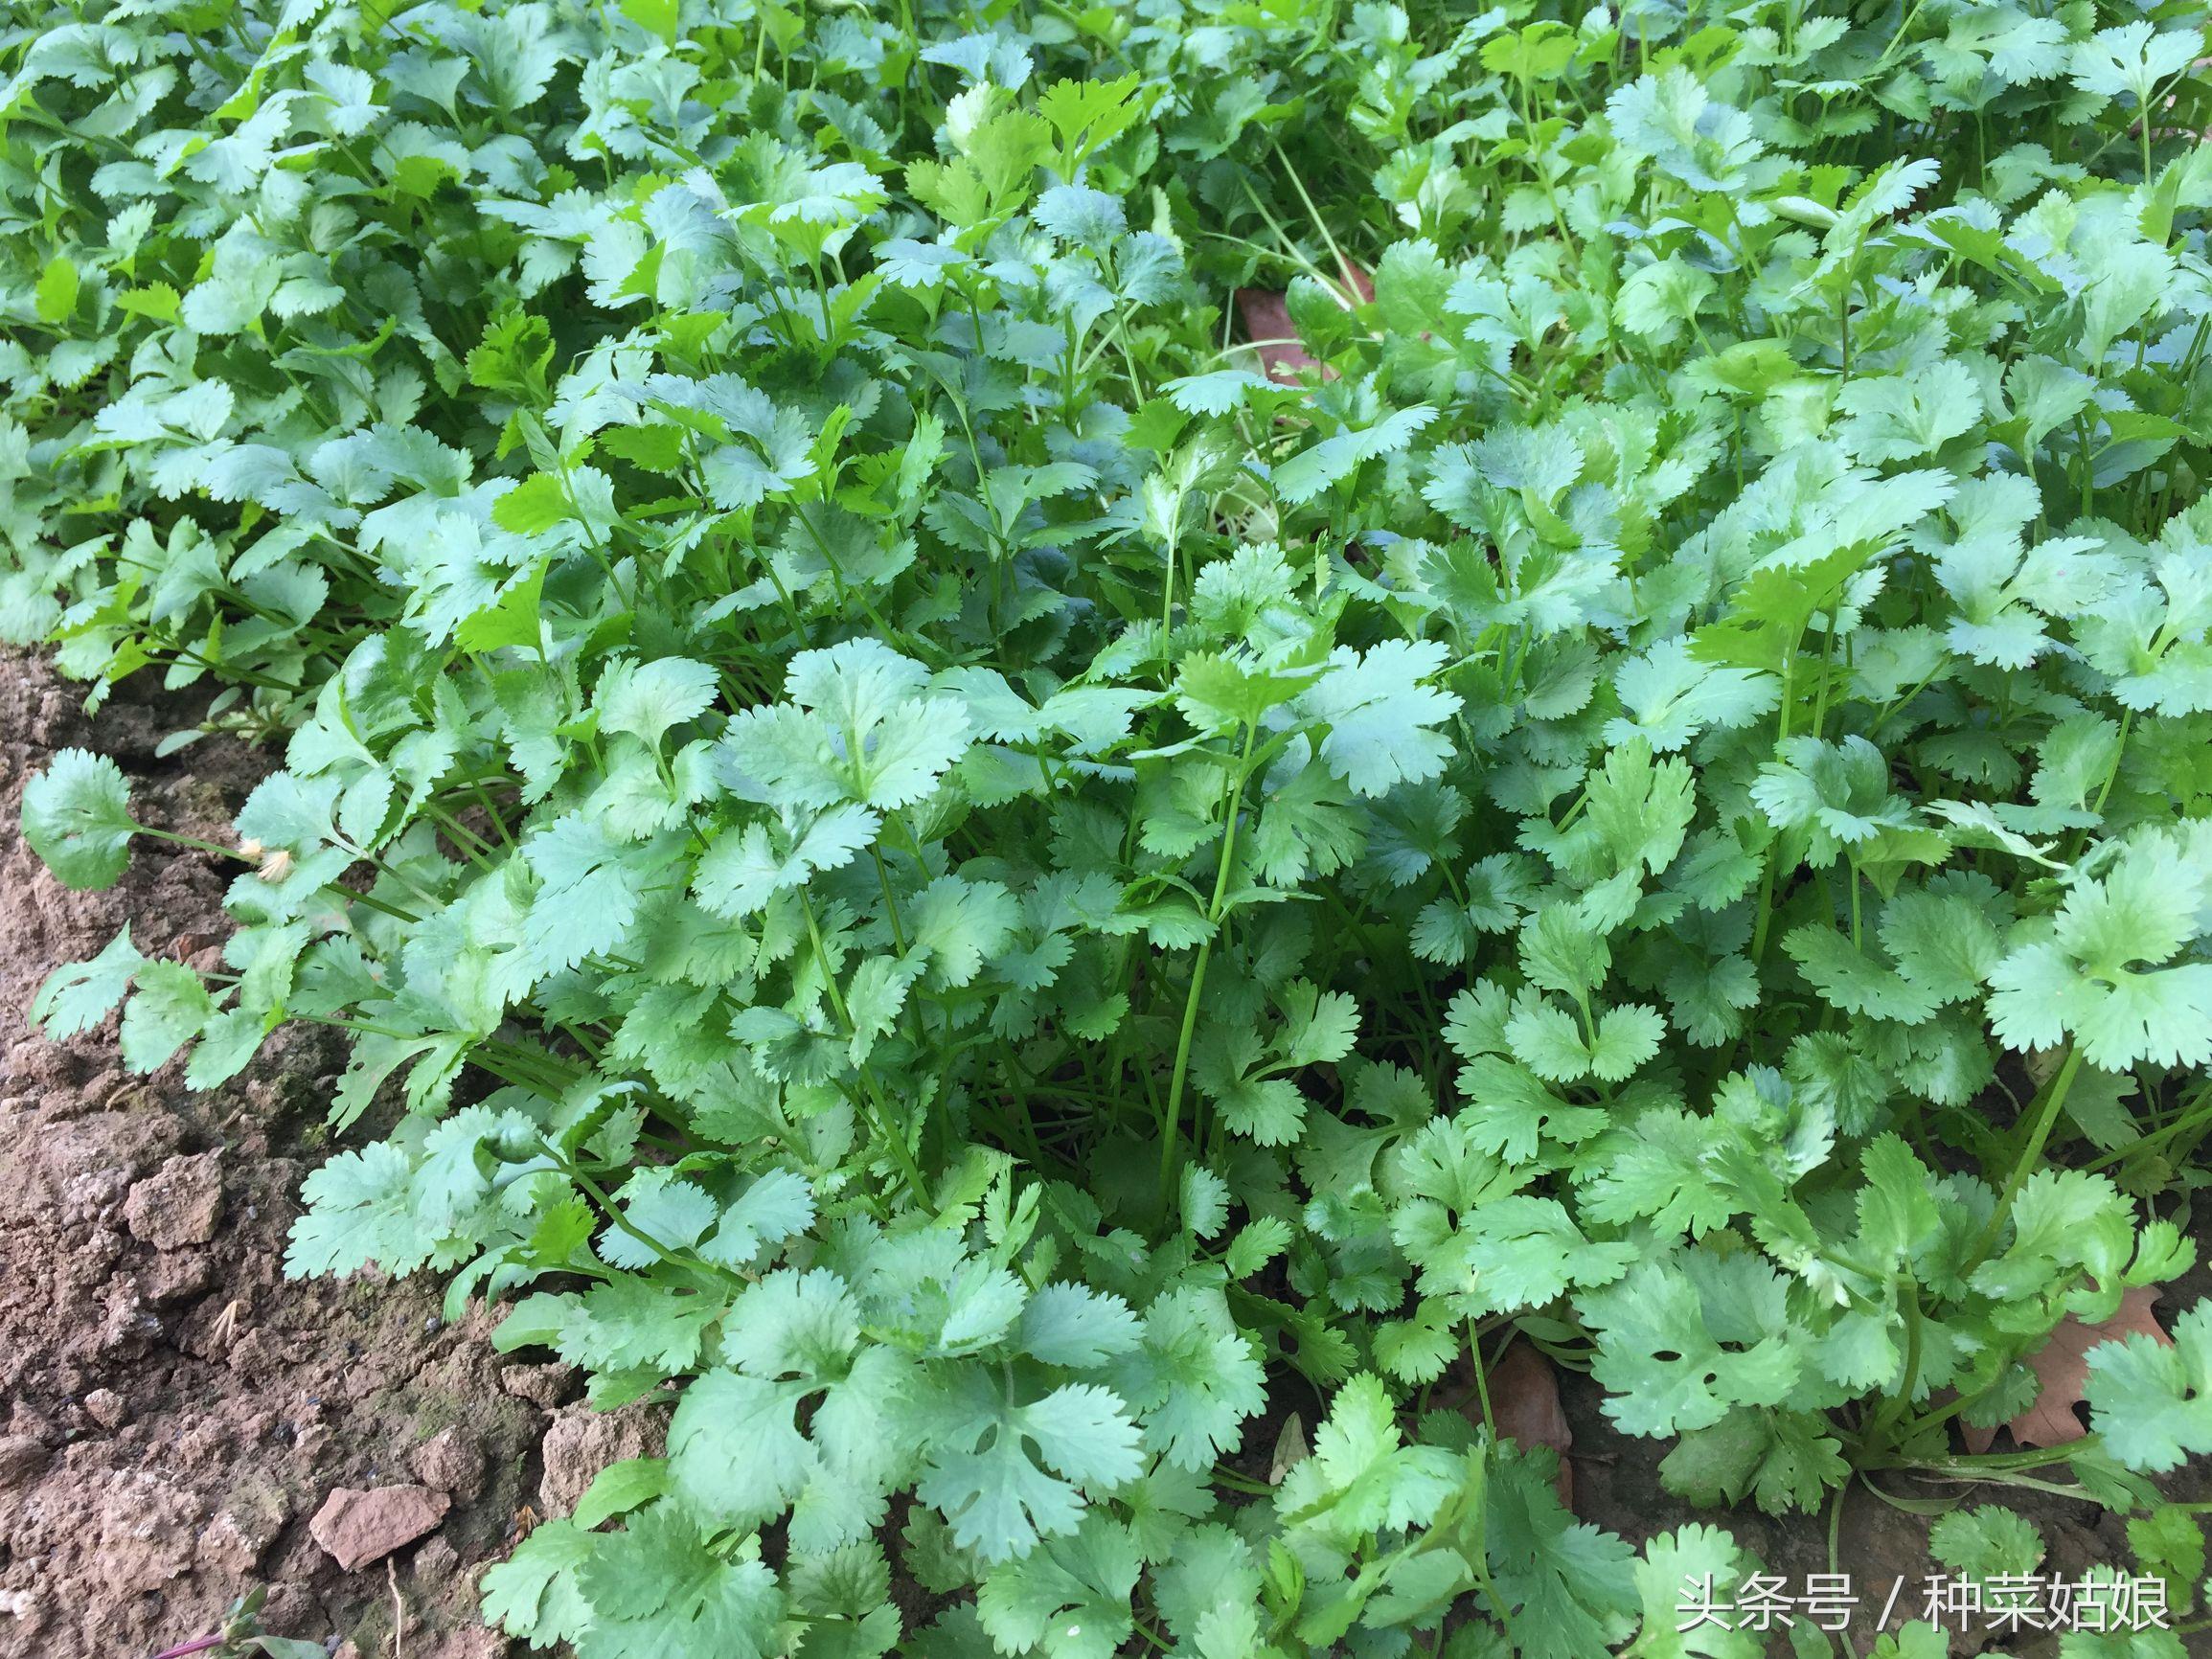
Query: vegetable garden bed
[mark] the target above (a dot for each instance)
(1057, 930)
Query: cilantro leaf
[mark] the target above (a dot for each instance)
(76, 817)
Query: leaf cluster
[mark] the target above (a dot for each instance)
(983, 886)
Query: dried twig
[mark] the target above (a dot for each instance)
(399, 1609)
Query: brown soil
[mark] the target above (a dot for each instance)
(174, 1412)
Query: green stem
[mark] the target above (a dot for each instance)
(1169, 1170)
(875, 1108)
(2113, 772)
(622, 1223)
(1237, 1483)
(193, 842)
(1881, 1433)
(2030, 1159)
(1168, 595)
(1344, 266)
(1827, 657)
(1169, 1158)
(1836, 1528)
(2198, 1116)
(1988, 1466)
(1482, 1384)
(1767, 875)
(1765, 902)
(471, 845)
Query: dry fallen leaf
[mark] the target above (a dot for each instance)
(2061, 1368)
(1266, 319)
(1290, 1450)
(1525, 1399)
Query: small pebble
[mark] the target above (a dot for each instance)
(105, 1407)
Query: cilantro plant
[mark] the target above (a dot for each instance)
(937, 861)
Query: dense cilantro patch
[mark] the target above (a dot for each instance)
(940, 871)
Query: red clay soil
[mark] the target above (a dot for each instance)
(174, 1412)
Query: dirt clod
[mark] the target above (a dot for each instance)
(449, 1462)
(105, 1407)
(21, 1458)
(181, 1205)
(355, 1528)
(148, 1530)
(544, 1386)
(176, 1276)
(233, 1543)
(582, 1442)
